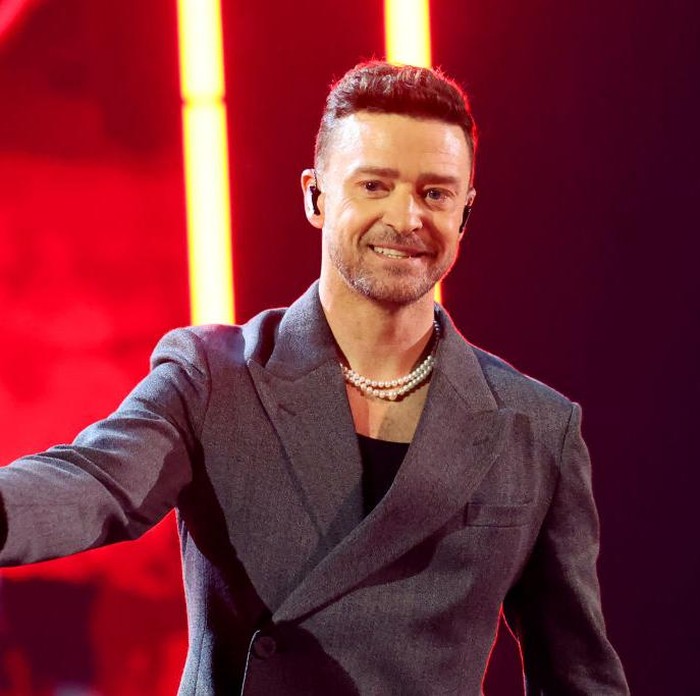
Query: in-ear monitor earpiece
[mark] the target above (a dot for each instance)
(315, 193)
(465, 216)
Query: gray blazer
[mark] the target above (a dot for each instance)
(248, 433)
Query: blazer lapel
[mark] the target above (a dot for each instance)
(302, 389)
(460, 435)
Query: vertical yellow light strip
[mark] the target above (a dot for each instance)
(407, 31)
(205, 146)
(407, 39)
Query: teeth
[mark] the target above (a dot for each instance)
(391, 253)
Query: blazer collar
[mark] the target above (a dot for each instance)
(460, 434)
(305, 342)
(302, 389)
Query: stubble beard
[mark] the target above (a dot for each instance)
(393, 286)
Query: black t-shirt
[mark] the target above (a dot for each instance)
(381, 460)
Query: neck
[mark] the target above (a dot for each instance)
(378, 341)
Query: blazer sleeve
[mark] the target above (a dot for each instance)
(121, 475)
(554, 610)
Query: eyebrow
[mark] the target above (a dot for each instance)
(390, 173)
(386, 172)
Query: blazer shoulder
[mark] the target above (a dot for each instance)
(216, 344)
(514, 389)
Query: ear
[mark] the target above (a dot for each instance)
(308, 181)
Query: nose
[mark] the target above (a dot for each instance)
(403, 212)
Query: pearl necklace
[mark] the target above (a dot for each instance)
(393, 389)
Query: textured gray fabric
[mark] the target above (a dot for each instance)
(248, 433)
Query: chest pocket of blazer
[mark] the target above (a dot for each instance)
(490, 515)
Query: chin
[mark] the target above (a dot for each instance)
(392, 292)
(391, 287)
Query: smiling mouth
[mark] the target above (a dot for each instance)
(394, 253)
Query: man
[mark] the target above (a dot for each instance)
(359, 491)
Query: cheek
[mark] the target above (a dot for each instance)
(351, 209)
(447, 232)
(353, 218)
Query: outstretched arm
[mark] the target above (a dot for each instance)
(121, 475)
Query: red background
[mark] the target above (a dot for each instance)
(580, 268)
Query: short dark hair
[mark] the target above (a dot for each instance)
(380, 87)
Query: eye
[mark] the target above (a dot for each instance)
(437, 195)
(439, 198)
(373, 186)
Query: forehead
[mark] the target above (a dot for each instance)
(399, 142)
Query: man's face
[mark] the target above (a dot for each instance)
(394, 188)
